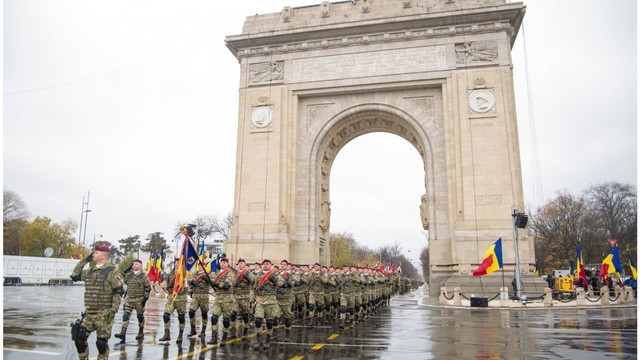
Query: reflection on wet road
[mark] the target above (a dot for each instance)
(36, 326)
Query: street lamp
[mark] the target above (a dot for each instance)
(519, 222)
(94, 240)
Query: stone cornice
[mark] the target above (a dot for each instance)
(470, 21)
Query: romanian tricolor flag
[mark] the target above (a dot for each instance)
(611, 264)
(492, 260)
(537, 269)
(158, 265)
(151, 269)
(580, 265)
(634, 273)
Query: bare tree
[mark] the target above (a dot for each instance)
(13, 208)
(557, 227)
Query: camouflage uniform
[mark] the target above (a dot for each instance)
(138, 289)
(267, 307)
(285, 299)
(347, 297)
(243, 289)
(223, 304)
(199, 285)
(301, 293)
(317, 282)
(102, 296)
(179, 304)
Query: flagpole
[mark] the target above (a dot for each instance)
(186, 235)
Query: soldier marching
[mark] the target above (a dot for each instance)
(263, 297)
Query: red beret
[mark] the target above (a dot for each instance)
(266, 260)
(257, 263)
(225, 259)
(103, 248)
(137, 261)
(240, 260)
(318, 264)
(276, 266)
(346, 265)
(285, 261)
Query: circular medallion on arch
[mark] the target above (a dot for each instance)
(262, 116)
(481, 101)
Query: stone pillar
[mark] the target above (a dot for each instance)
(619, 295)
(580, 299)
(604, 291)
(504, 296)
(548, 297)
(457, 300)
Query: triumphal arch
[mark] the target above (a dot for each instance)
(437, 73)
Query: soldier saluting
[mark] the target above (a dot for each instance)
(102, 296)
(138, 289)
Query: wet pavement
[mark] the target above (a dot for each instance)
(36, 326)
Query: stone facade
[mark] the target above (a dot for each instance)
(434, 72)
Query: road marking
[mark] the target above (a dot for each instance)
(333, 336)
(34, 351)
(297, 358)
(318, 346)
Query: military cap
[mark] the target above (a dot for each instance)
(103, 248)
(137, 261)
(225, 259)
(240, 260)
(266, 261)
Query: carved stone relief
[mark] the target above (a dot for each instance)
(314, 111)
(261, 116)
(425, 103)
(481, 101)
(484, 200)
(476, 52)
(266, 71)
(424, 212)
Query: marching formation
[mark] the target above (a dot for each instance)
(262, 295)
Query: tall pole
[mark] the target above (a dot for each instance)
(515, 238)
(86, 218)
(80, 228)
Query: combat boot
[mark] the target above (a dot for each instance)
(140, 335)
(223, 341)
(342, 324)
(180, 334)
(274, 335)
(325, 317)
(312, 321)
(203, 332)
(287, 333)
(214, 338)
(258, 343)
(193, 330)
(232, 332)
(122, 335)
(166, 337)
(244, 333)
(266, 343)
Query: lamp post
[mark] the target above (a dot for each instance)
(94, 239)
(519, 222)
(86, 218)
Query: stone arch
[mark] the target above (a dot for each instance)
(351, 123)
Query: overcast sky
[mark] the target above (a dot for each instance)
(136, 101)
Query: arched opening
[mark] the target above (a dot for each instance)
(377, 181)
(352, 124)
